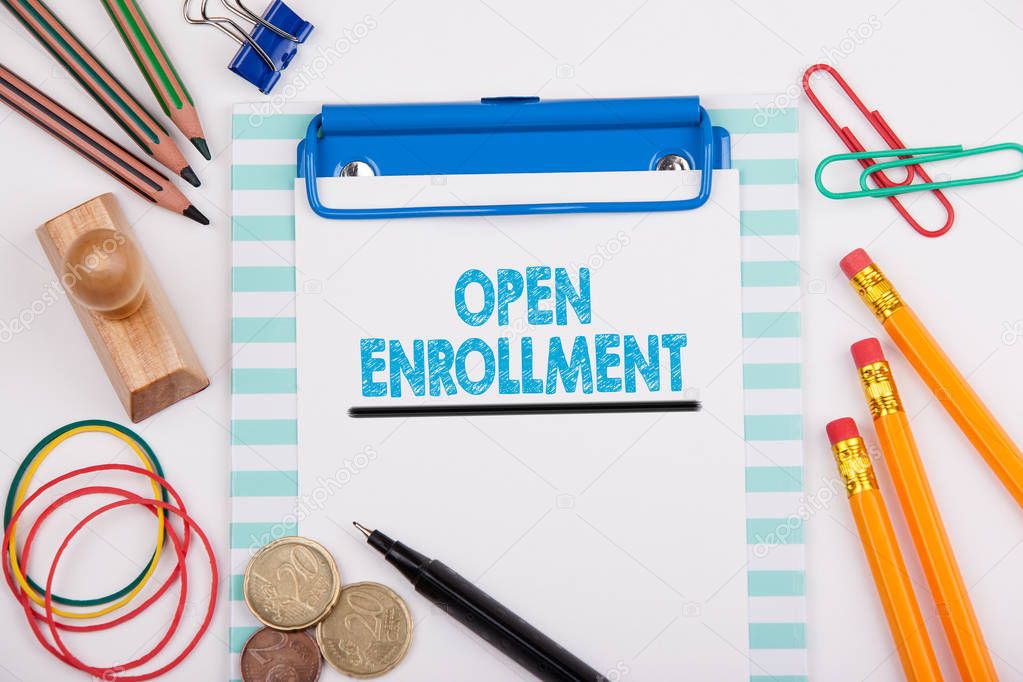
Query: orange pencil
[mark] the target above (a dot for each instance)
(921, 511)
(937, 371)
(882, 549)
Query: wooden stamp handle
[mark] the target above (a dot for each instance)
(104, 271)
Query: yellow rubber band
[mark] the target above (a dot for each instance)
(20, 496)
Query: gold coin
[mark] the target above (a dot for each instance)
(291, 584)
(368, 632)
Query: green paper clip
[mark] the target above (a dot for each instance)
(914, 156)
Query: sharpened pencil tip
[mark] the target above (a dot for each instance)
(190, 177)
(194, 213)
(365, 531)
(203, 147)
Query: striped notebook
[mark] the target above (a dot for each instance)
(264, 478)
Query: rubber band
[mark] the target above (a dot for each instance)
(111, 673)
(20, 484)
(130, 498)
(81, 472)
(60, 651)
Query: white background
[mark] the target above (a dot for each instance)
(943, 72)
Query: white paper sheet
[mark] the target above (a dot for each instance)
(616, 534)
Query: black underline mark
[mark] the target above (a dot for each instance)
(525, 408)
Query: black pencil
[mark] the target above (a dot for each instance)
(481, 613)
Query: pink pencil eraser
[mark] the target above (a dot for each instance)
(867, 352)
(855, 262)
(842, 429)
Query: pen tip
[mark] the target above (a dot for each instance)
(365, 531)
(190, 177)
(203, 147)
(194, 213)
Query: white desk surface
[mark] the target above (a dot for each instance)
(943, 72)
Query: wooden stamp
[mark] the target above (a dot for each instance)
(122, 307)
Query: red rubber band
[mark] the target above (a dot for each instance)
(149, 601)
(130, 498)
(175, 624)
(105, 673)
(63, 655)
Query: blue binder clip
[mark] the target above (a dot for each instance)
(268, 49)
(513, 135)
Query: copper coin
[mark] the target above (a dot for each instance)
(274, 656)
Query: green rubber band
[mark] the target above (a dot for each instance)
(20, 474)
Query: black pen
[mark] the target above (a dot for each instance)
(481, 613)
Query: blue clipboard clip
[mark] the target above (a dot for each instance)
(513, 135)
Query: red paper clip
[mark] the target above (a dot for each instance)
(877, 122)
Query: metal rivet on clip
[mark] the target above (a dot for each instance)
(672, 162)
(357, 169)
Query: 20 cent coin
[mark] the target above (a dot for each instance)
(291, 584)
(368, 632)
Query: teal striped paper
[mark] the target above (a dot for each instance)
(264, 384)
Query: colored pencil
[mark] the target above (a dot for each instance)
(887, 566)
(131, 170)
(156, 66)
(101, 84)
(947, 383)
(933, 546)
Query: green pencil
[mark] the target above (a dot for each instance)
(92, 75)
(156, 66)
